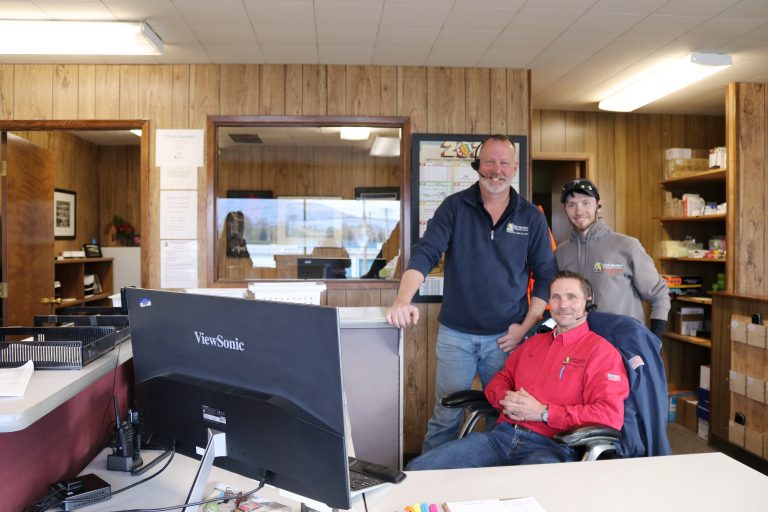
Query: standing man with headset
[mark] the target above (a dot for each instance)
(493, 240)
(621, 271)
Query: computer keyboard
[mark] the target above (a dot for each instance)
(364, 474)
(359, 481)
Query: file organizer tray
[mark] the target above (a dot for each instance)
(119, 322)
(55, 348)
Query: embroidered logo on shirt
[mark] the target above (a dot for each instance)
(517, 230)
(614, 377)
(611, 268)
(636, 362)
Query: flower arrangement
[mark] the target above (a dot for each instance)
(123, 232)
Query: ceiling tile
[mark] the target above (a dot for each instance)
(705, 8)
(221, 12)
(666, 27)
(280, 12)
(490, 4)
(406, 56)
(345, 54)
(534, 20)
(277, 35)
(235, 54)
(731, 28)
(355, 14)
(402, 37)
(623, 6)
(75, 10)
(225, 34)
(576, 5)
(345, 36)
(472, 17)
(517, 39)
(759, 34)
(453, 57)
(465, 39)
(413, 15)
(286, 54)
(503, 58)
(605, 23)
(583, 44)
(157, 11)
(174, 34)
(748, 9)
(19, 10)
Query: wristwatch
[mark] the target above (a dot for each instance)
(545, 414)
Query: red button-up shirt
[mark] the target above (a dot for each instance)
(578, 374)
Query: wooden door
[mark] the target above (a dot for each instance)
(27, 229)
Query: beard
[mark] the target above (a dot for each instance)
(495, 183)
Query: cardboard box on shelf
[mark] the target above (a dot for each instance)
(689, 320)
(674, 398)
(674, 153)
(686, 413)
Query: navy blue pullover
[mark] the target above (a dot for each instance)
(486, 266)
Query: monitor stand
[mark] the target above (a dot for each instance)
(217, 447)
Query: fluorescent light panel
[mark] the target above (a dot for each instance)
(666, 80)
(40, 37)
(354, 132)
(385, 146)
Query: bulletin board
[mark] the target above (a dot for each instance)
(440, 166)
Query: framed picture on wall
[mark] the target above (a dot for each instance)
(64, 214)
(441, 166)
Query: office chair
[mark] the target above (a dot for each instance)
(644, 433)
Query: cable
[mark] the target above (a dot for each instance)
(150, 477)
(198, 503)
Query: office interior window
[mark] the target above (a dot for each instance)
(288, 204)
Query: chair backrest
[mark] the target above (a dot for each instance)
(644, 433)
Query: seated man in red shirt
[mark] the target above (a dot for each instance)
(553, 382)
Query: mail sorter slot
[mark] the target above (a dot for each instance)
(55, 348)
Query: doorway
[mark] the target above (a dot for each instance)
(82, 150)
(550, 171)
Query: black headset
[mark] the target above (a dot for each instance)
(590, 306)
(475, 163)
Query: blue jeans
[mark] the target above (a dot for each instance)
(459, 357)
(505, 445)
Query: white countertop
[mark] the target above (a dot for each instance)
(362, 317)
(48, 389)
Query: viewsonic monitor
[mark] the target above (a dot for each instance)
(267, 374)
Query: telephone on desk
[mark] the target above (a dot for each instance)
(379, 471)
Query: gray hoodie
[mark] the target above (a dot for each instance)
(621, 272)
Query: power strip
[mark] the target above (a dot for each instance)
(82, 491)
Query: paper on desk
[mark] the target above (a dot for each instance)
(13, 381)
(506, 505)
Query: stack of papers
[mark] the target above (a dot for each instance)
(14, 381)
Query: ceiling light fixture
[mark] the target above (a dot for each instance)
(666, 80)
(41, 37)
(354, 132)
(385, 146)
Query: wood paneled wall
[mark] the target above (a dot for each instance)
(304, 171)
(747, 206)
(629, 158)
(119, 173)
(438, 100)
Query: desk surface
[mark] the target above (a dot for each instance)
(704, 483)
(48, 389)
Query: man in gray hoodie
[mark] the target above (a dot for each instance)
(621, 271)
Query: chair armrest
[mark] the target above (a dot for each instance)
(464, 398)
(580, 436)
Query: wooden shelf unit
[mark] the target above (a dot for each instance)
(71, 273)
(684, 355)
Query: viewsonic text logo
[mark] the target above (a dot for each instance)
(219, 341)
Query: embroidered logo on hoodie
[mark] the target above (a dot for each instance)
(610, 268)
(517, 230)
